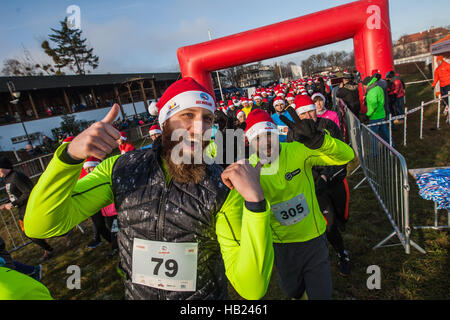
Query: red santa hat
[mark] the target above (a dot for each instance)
(259, 121)
(278, 100)
(290, 96)
(240, 113)
(257, 96)
(230, 103)
(222, 103)
(183, 94)
(154, 129)
(375, 71)
(123, 136)
(91, 162)
(303, 103)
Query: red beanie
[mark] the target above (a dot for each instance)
(303, 103)
(183, 94)
(259, 121)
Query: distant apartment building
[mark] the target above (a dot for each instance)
(417, 43)
(256, 75)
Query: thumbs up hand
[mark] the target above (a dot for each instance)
(99, 140)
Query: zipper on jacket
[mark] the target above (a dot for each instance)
(159, 228)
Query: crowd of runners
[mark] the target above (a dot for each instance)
(184, 229)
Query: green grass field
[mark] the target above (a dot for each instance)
(413, 276)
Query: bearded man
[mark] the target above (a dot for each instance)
(184, 226)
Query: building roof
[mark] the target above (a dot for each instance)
(69, 81)
(441, 46)
(423, 35)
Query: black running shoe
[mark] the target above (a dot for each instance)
(37, 274)
(94, 243)
(344, 264)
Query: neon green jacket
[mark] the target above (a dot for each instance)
(244, 236)
(291, 176)
(18, 286)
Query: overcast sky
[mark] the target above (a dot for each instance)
(143, 35)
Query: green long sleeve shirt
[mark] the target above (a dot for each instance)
(288, 184)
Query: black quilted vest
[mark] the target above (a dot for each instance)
(149, 209)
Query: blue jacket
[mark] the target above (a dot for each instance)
(279, 123)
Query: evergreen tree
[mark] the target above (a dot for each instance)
(71, 50)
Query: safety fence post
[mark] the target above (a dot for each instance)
(390, 129)
(405, 126)
(438, 114)
(421, 121)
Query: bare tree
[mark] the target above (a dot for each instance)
(26, 65)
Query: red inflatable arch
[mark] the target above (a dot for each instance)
(366, 21)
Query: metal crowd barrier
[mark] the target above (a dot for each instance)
(387, 174)
(408, 112)
(15, 234)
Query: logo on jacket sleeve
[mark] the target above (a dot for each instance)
(290, 175)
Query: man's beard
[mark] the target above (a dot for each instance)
(183, 173)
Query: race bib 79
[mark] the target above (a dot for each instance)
(165, 265)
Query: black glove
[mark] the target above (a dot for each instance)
(304, 131)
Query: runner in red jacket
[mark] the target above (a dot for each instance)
(442, 75)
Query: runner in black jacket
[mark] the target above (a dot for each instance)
(349, 93)
(332, 194)
(18, 187)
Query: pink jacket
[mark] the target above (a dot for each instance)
(109, 211)
(330, 115)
